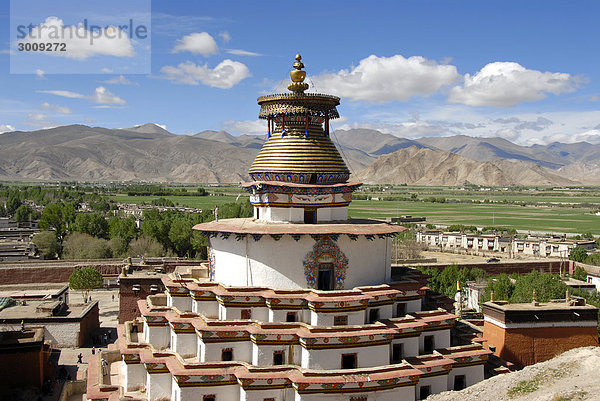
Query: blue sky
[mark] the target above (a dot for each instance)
(528, 71)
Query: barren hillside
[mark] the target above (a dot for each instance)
(436, 167)
(572, 376)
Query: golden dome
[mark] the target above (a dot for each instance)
(298, 148)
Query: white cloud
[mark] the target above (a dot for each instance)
(594, 98)
(385, 79)
(225, 75)
(197, 43)
(591, 136)
(239, 52)
(101, 96)
(81, 43)
(106, 70)
(69, 94)
(40, 74)
(225, 36)
(250, 127)
(507, 84)
(120, 80)
(39, 120)
(6, 128)
(55, 108)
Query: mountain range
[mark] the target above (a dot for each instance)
(150, 153)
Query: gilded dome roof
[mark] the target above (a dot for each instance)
(298, 148)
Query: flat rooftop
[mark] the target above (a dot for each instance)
(252, 226)
(530, 307)
(32, 311)
(32, 290)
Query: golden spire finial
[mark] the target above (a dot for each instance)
(297, 75)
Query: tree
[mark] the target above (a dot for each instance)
(502, 286)
(12, 204)
(580, 274)
(25, 213)
(180, 235)
(547, 287)
(118, 247)
(58, 216)
(145, 246)
(93, 224)
(84, 246)
(47, 244)
(85, 280)
(123, 228)
(578, 254)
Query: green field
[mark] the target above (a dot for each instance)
(534, 218)
(565, 211)
(200, 202)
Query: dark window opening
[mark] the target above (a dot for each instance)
(400, 310)
(310, 217)
(227, 354)
(428, 345)
(397, 351)
(359, 398)
(373, 315)
(313, 179)
(278, 357)
(424, 392)
(340, 320)
(257, 213)
(348, 361)
(325, 279)
(210, 397)
(246, 314)
(459, 383)
(290, 317)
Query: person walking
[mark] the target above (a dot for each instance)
(80, 358)
(93, 350)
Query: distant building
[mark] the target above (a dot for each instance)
(15, 240)
(528, 333)
(553, 246)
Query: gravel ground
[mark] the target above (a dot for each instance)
(572, 376)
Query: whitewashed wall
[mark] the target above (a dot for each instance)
(366, 357)
(134, 376)
(260, 395)
(473, 374)
(207, 308)
(158, 386)
(410, 346)
(158, 336)
(184, 304)
(260, 263)
(326, 319)
(436, 384)
(396, 394)
(441, 339)
(242, 351)
(185, 344)
(222, 393)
